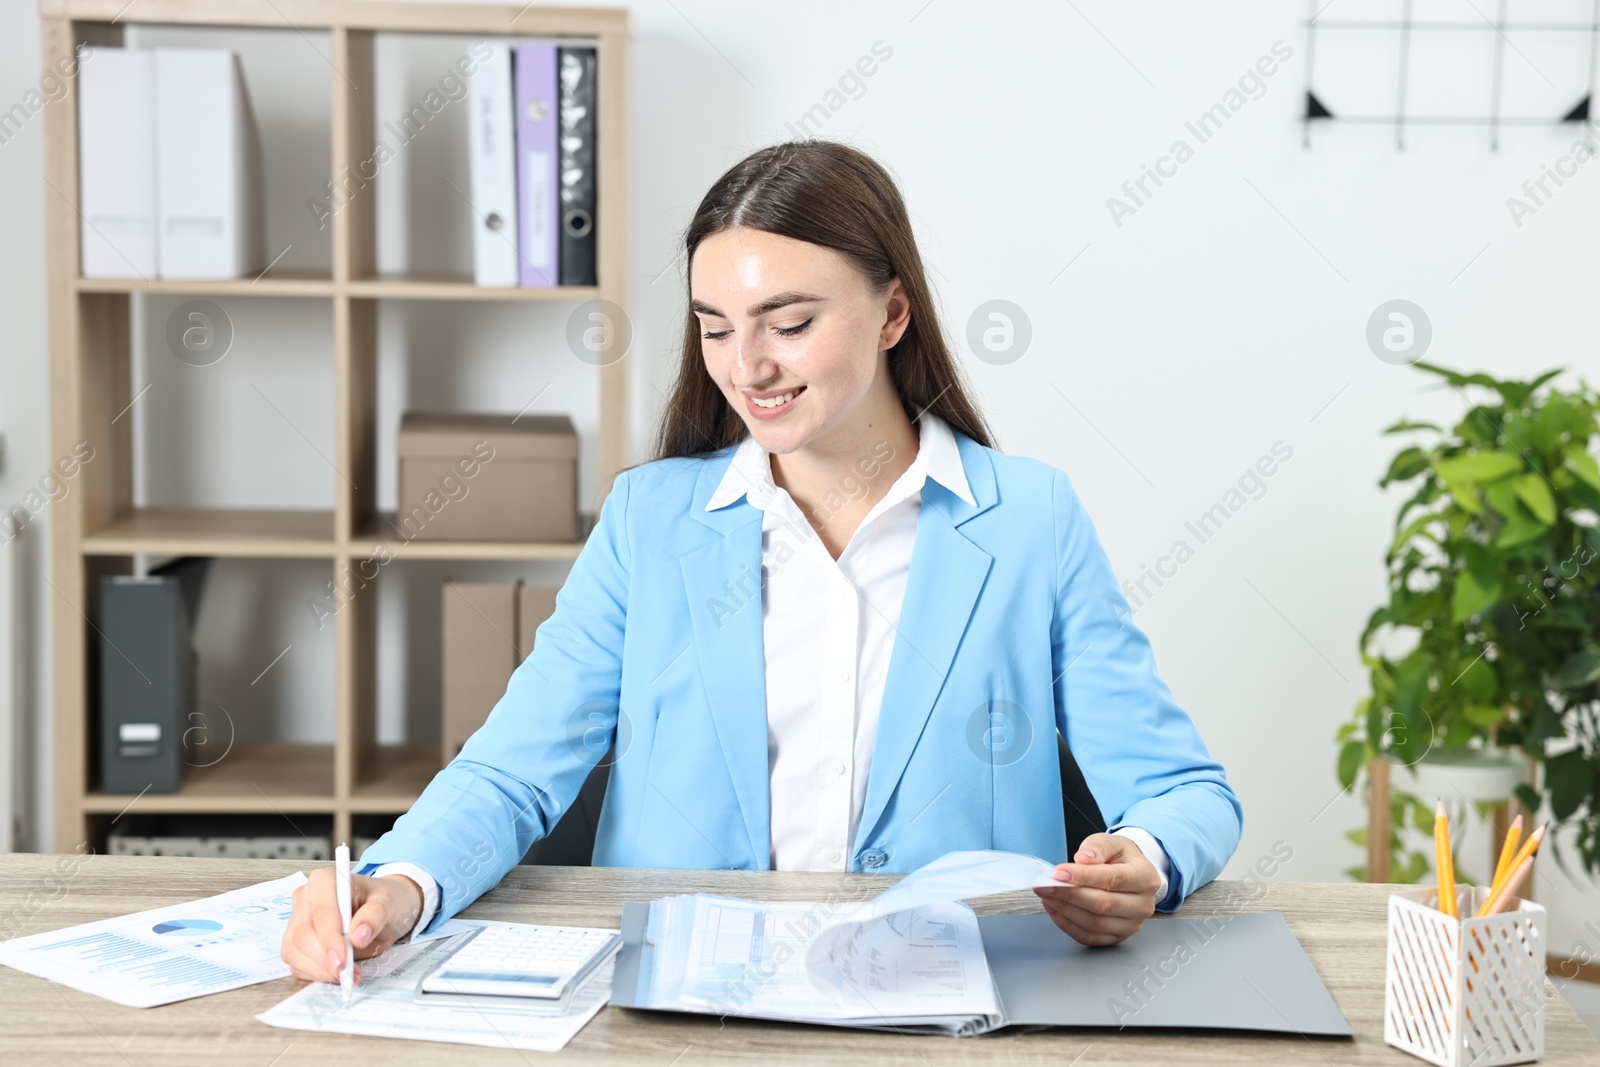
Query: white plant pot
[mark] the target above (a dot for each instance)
(1483, 775)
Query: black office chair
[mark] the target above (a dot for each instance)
(571, 843)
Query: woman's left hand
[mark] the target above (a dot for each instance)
(1112, 891)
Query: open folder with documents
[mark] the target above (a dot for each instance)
(914, 958)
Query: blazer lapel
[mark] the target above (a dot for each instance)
(947, 574)
(722, 581)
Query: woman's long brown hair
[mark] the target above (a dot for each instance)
(827, 194)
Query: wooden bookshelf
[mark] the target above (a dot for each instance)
(97, 528)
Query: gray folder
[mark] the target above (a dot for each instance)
(1239, 972)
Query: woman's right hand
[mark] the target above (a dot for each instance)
(382, 911)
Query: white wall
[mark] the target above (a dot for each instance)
(1226, 314)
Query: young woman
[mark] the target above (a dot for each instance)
(828, 628)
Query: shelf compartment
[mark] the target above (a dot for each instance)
(459, 287)
(216, 532)
(394, 776)
(253, 777)
(372, 535)
(273, 283)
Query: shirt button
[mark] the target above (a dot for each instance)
(844, 676)
(873, 858)
(836, 767)
(835, 856)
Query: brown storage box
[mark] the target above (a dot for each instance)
(534, 605)
(487, 628)
(487, 478)
(479, 639)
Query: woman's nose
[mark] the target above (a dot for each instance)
(750, 358)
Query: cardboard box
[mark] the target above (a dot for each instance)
(487, 478)
(487, 629)
(479, 642)
(534, 605)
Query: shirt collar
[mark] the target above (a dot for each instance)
(750, 471)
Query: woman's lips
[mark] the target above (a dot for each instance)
(766, 413)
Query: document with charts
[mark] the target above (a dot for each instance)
(909, 958)
(168, 954)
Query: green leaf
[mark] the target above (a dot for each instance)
(1472, 596)
(1582, 464)
(1457, 378)
(1406, 466)
(1412, 870)
(1465, 496)
(1358, 836)
(1405, 425)
(1475, 468)
(1484, 716)
(1350, 757)
(1502, 497)
(1581, 668)
(1414, 528)
(1519, 529)
(1476, 678)
(1570, 780)
(1534, 491)
(1545, 377)
(1545, 725)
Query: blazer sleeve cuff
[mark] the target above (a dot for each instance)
(430, 893)
(1154, 853)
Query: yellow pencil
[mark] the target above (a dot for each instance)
(1528, 848)
(1507, 850)
(1444, 862)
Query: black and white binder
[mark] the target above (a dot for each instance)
(147, 675)
(576, 72)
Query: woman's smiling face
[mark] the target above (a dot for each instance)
(791, 332)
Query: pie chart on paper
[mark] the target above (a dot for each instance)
(187, 926)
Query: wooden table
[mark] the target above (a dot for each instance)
(1341, 926)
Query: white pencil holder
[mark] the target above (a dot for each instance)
(1467, 992)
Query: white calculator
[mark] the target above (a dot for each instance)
(543, 963)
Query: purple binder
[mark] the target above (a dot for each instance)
(538, 190)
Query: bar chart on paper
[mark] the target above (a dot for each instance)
(169, 954)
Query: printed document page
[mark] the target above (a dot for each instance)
(749, 957)
(382, 1004)
(864, 932)
(167, 954)
(911, 955)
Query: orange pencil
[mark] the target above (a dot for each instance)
(1444, 862)
(1525, 852)
(1508, 892)
(1507, 850)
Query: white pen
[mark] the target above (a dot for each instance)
(341, 870)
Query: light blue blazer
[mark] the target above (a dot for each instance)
(1012, 628)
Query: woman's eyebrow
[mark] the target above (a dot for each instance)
(772, 303)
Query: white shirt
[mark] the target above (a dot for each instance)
(828, 628)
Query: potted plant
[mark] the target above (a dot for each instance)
(1490, 640)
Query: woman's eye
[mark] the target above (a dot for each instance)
(716, 336)
(794, 331)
